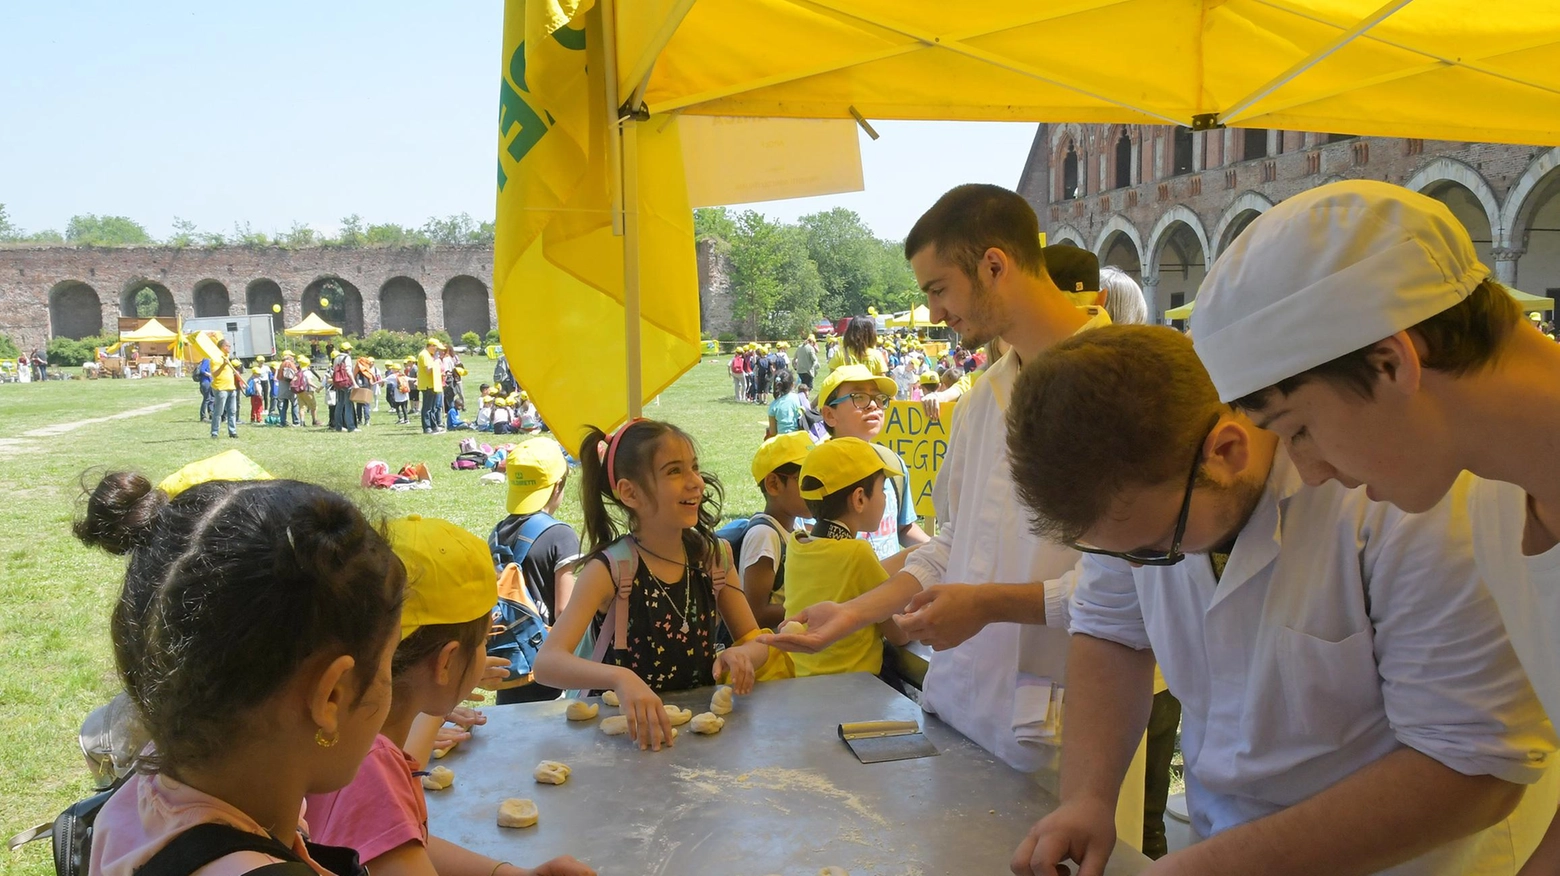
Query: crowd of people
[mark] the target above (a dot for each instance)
(288, 392)
(1354, 667)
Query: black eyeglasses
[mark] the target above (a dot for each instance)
(862, 399)
(1174, 555)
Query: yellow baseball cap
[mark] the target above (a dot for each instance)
(303, 361)
(286, 353)
(779, 450)
(839, 462)
(928, 378)
(229, 465)
(449, 573)
(853, 374)
(344, 346)
(534, 467)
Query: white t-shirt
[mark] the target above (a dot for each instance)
(1526, 589)
(761, 541)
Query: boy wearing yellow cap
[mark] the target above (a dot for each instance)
(382, 814)
(853, 403)
(430, 386)
(545, 548)
(842, 483)
(777, 468)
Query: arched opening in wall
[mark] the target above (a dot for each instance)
(146, 299)
(1253, 143)
(1070, 174)
(337, 302)
(1236, 227)
(1538, 270)
(1121, 252)
(75, 311)
(1123, 161)
(211, 299)
(403, 306)
(1181, 265)
(265, 296)
(466, 307)
(1466, 207)
(1181, 156)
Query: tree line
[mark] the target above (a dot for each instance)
(93, 230)
(785, 277)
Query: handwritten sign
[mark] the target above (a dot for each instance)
(921, 442)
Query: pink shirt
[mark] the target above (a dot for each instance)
(382, 810)
(150, 810)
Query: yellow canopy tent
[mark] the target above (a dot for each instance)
(1530, 302)
(593, 189)
(154, 332)
(916, 317)
(312, 326)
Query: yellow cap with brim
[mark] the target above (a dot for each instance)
(533, 468)
(229, 465)
(344, 346)
(928, 378)
(449, 573)
(839, 462)
(792, 447)
(854, 373)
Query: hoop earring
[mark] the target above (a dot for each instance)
(323, 741)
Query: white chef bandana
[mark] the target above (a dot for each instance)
(1325, 273)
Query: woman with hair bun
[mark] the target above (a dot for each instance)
(254, 634)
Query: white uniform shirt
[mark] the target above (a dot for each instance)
(1527, 589)
(1369, 631)
(983, 537)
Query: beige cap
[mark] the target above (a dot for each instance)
(1324, 273)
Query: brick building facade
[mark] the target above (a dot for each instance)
(1162, 202)
(75, 292)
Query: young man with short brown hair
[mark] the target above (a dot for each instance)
(1351, 704)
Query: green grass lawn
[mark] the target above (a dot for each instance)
(55, 594)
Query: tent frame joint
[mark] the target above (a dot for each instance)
(1206, 122)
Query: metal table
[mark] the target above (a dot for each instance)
(776, 791)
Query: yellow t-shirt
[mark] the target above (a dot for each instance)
(831, 569)
(222, 374)
(430, 372)
(876, 361)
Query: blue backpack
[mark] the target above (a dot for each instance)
(519, 619)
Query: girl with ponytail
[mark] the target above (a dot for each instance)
(646, 475)
(254, 634)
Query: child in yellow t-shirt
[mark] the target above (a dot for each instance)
(842, 481)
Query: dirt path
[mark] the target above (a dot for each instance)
(27, 443)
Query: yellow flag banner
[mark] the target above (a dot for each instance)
(558, 268)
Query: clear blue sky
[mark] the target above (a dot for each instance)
(275, 112)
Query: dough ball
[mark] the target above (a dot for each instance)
(616, 725)
(517, 813)
(720, 704)
(793, 628)
(706, 723)
(551, 772)
(438, 778)
(579, 710)
(833, 871)
(609, 697)
(679, 716)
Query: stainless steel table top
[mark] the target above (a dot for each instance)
(775, 792)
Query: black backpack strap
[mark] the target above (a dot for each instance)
(204, 843)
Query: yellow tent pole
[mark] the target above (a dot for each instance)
(631, 340)
(623, 167)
